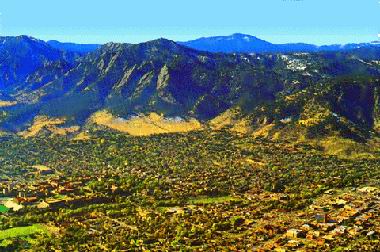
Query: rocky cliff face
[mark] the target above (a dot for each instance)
(376, 110)
(21, 56)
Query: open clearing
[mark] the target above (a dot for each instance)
(22, 231)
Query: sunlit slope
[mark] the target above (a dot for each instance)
(144, 125)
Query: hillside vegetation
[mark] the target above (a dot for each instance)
(313, 93)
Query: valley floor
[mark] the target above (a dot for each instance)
(201, 191)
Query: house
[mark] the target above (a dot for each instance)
(51, 203)
(295, 233)
(64, 190)
(25, 200)
(321, 218)
(340, 230)
(43, 170)
(339, 203)
(43, 205)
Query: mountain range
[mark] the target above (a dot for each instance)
(242, 43)
(73, 47)
(235, 43)
(300, 91)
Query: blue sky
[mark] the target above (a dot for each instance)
(278, 21)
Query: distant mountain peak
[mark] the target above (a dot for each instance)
(161, 42)
(112, 45)
(236, 42)
(73, 47)
(26, 37)
(156, 42)
(20, 38)
(238, 34)
(243, 36)
(244, 43)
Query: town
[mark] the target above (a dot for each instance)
(120, 192)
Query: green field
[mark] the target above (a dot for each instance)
(3, 209)
(211, 200)
(22, 231)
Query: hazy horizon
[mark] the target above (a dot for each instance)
(222, 35)
(277, 21)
